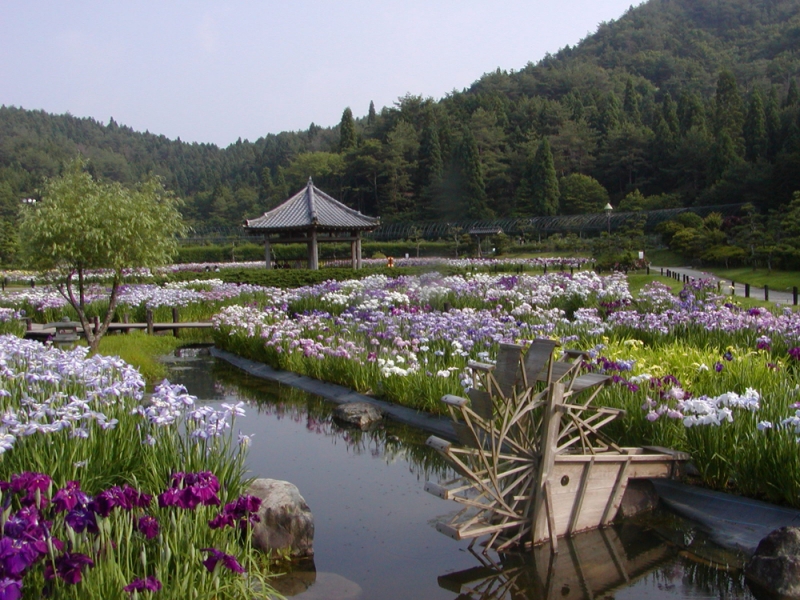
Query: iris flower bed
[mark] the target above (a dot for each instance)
(110, 493)
(693, 371)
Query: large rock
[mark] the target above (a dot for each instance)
(360, 414)
(775, 566)
(287, 525)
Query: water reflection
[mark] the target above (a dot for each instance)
(602, 563)
(375, 535)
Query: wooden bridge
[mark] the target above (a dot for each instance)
(42, 332)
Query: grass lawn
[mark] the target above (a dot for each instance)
(142, 351)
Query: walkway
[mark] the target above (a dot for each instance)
(776, 296)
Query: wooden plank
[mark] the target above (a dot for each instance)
(584, 485)
(551, 518)
(481, 403)
(616, 497)
(550, 427)
(537, 360)
(507, 373)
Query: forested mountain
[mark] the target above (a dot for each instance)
(676, 103)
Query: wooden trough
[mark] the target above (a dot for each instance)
(533, 464)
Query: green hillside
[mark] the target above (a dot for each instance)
(676, 103)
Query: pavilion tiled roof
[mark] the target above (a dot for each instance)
(311, 207)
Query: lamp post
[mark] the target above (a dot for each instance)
(608, 208)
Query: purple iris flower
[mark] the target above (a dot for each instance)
(228, 561)
(82, 518)
(718, 367)
(136, 498)
(31, 482)
(148, 526)
(150, 584)
(25, 524)
(10, 589)
(16, 556)
(795, 353)
(68, 567)
(69, 497)
(244, 510)
(189, 490)
(108, 500)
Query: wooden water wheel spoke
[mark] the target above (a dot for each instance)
(528, 424)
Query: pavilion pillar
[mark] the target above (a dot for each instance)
(313, 256)
(358, 250)
(267, 251)
(353, 254)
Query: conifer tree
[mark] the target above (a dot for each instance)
(544, 182)
(792, 95)
(372, 117)
(430, 154)
(728, 112)
(630, 104)
(669, 112)
(347, 131)
(690, 112)
(773, 124)
(474, 191)
(755, 129)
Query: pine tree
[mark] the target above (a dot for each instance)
(792, 95)
(372, 117)
(543, 181)
(690, 113)
(280, 186)
(723, 156)
(430, 163)
(755, 129)
(728, 113)
(474, 191)
(669, 111)
(347, 131)
(773, 124)
(630, 103)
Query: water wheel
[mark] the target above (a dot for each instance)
(520, 414)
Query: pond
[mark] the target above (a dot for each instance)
(375, 526)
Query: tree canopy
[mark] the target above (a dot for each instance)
(691, 101)
(80, 224)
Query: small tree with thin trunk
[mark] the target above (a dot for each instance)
(81, 224)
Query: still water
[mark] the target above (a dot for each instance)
(375, 535)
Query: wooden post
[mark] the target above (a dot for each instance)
(358, 251)
(542, 509)
(733, 287)
(766, 293)
(267, 252)
(28, 324)
(794, 295)
(175, 319)
(313, 256)
(148, 315)
(353, 259)
(746, 290)
(126, 318)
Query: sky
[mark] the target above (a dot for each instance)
(213, 71)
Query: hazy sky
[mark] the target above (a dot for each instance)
(214, 71)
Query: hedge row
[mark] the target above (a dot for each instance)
(291, 252)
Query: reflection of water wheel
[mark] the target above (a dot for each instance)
(523, 416)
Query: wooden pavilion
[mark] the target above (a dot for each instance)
(310, 217)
